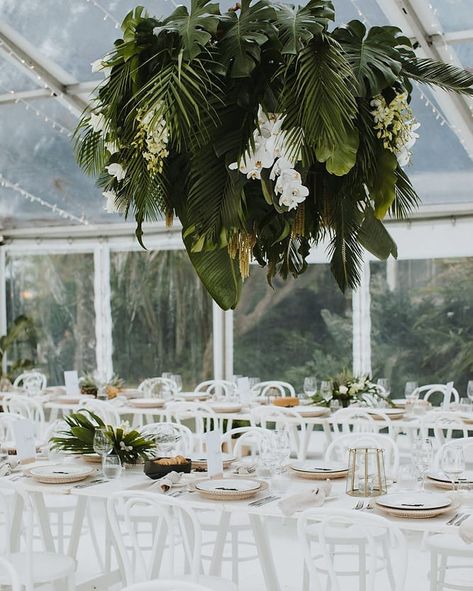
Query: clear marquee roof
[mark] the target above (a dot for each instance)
(46, 47)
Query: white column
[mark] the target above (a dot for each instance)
(218, 341)
(103, 311)
(362, 325)
(3, 299)
(228, 345)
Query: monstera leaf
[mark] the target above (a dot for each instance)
(195, 27)
(218, 272)
(244, 35)
(298, 25)
(374, 58)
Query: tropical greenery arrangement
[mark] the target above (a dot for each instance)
(90, 384)
(128, 444)
(348, 389)
(20, 330)
(263, 130)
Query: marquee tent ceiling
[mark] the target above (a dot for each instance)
(46, 47)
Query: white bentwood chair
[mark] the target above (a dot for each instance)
(272, 388)
(328, 538)
(358, 420)
(27, 408)
(216, 388)
(31, 382)
(337, 451)
(446, 426)
(203, 417)
(33, 568)
(159, 585)
(9, 575)
(175, 536)
(185, 443)
(430, 390)
(103, 409)
(158, 387)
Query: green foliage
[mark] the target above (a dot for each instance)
(20, 329)
(208, 80)
(78, 438)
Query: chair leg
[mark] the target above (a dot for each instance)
(71, 583)
(433, 570)
(362, 566)
(235, 557)
(442, 571)
(389, 566)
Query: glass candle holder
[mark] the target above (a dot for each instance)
(366, 473)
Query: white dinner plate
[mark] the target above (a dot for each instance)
(315, 467)
(225, 406)
(387, 411)
(311, 411)
(59, 473)
(192, 396)
(231, 485)
(147, 402)
(414, 501)
(202, 458)
(466, 477)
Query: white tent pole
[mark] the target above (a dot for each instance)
(103, 310)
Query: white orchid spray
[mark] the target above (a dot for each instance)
(271, 151)
(396, 126)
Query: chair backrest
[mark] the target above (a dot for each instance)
(447, 395)
(445, 426)
(320, 529)
(241, 440)
(27, 408)
(12, 500)
(203, 417)
(160, 585)
(103, 409)
(142, 554)
(158, 387)
(12, 578)
(267, 416)
(32, 382)
(216, 388)
(185, 443)
(358, 420)
(7, 436)
(337, 451)
(273, 388)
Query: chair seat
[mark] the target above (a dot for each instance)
(210, 521)
(346, 535)
(450, 543)
(214, 583)
(47, 566)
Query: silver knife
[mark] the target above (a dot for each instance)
(462, 519)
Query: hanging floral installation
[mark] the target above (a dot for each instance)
(265, 130)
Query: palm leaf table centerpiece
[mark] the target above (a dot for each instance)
(264, 129)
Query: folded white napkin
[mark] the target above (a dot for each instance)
(167, 482)
(313, 498)
(466, 530)
(244, 468)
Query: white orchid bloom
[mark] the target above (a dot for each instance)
(253, 163)
(293, 194)
(403, 157)
(111, 147)
(343, 389)
(96, 66)
(98, 122)
(280, 165)
(115, 169)
(287, 176)
(111, 204)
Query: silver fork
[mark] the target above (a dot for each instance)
(454, 518)
(369, 506)
(359, 506)
(177, 493)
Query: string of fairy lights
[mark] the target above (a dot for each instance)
(443, 121)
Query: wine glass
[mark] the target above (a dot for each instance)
(177, 379)
(282, 448)
(384, 386)
(310, 386)
(410, 391)
(103, 444)
(423, 454)
(469, 390)
(326, 390)
(453, 463)
(112, 467)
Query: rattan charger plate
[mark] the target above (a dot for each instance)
(319, 475)
(222, 495)
(60, 474)
(417, 513)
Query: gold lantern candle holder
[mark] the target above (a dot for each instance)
(366, 473)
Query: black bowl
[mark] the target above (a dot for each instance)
(155, 471)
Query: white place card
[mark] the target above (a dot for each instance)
(243, 387)
(25, 441)
(213, 441)
(448, 394)
(71, 380)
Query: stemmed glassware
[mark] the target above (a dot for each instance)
(310, 386)
(177, 379)
(326, 390)
(112, 467)
(423, 455)
(282, 448)
(410, 391)
(103, 444)
(384, 385)
(469, 390)
(452, 463)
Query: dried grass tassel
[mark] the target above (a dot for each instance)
(233, 245)
(298, 227)
(169, 218)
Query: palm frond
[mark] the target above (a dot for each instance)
(435, 73)
(406, 198)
